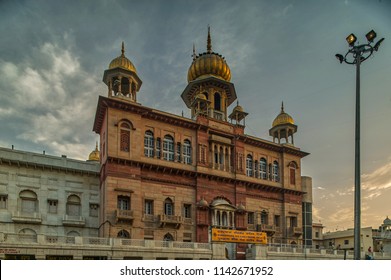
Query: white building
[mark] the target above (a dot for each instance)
(42, 194)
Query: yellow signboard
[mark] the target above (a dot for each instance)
(238, 236)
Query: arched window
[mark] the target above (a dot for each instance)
(168, 237)
(73, 233)
(29, 202)
(125, 88)
(249, 165)
(73, 205)
(124, 137)
(168, 148)
(276, 171)
(123, 234)
(262, 168)
(187, 151)
(217, 99)
(27, 235)
(292, 172)
(148, 144)
(168, 207)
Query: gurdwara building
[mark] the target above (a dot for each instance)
(168, 177)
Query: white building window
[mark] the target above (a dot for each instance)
(123, 202)
(29, 202)
(168, 207)
(276, 171)
(249, 165)
(187, 151)
(73, 205)
(148, 207)
(262, 168)
(168, 148)
(187, 210)
(3, 201)
(148, 144)
(94, 209)
(52, 206)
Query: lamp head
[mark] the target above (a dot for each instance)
(371, 35)
(339, 57)
(351, 39)
(377, 45)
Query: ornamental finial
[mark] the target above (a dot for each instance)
(209, 42)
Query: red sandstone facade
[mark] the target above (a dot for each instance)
(167, 177)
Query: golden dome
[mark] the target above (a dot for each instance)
(94, 155)
(283, 118)
(122, 62)
(208, 64)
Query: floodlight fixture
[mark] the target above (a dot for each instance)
(351, 39)
(371, 35)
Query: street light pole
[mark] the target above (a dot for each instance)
(357, 172)
(359, 53)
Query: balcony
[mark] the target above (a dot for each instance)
(250, 226)
(167, 220)
(295, 231)
(27, 217)
(124, 215)
(269, 229)
(74, 221)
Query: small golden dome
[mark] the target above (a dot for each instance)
(241, 207)
(94, 155)
(122, 62)
(238, 108)
(283, 118)
(201, 96)
(208, 64)
(203, 203)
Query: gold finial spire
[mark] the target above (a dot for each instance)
(123, 49)
(194, 52)
(282, 106)
(209, 42)
(96, 146)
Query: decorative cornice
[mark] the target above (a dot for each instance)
(144, 112)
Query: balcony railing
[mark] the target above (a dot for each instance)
(269, 229)
(295, 231)
(27, 217)
(124, 215)
(70, 220)
(170, 220)
(218, 115)
(97, 242)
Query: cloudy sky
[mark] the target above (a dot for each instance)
(53, 54)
